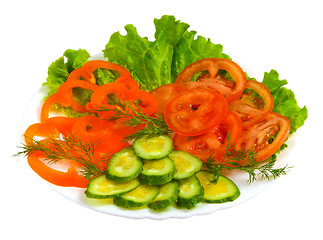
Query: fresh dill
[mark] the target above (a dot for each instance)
(134, 116)
(70, 148)
(244, 160)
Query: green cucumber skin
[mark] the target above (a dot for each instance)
(114, 177)
(90, 194)
(185, 175)
(125, 203)
(121, 202)
(148, 156)
(163, 204)
(153, 157)
(191, 202)
(223, 200)
(99, 196)
(229, 198)
(96, 196)
(122, 179)
(156, 179)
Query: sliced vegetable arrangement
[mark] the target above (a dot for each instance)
(159, 123)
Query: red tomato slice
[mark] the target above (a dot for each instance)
(229, 89)
(212, 143)
(196, 111)
(164, 93)
(259, 136)
(253, 109)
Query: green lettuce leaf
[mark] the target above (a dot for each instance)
(59, 70)
(153, 64)
(190, 49)
(284, 101)
(149, 62)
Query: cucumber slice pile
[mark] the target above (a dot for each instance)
(190, 192)
(124, 166)
(150, 173)
(139, 197)
(185, 163)
(153, 148)
(158, 171)
(167, 195)
(101, 187)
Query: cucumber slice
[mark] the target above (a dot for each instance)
(157, 172)
(186, 164)
(101, 187)
(224, 190)
(153, 148)
(168, 194)
(190, 192)
(124, 166)
(139, 197)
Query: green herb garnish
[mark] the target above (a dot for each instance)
(244, 160)
(154, 126)
(69, 148)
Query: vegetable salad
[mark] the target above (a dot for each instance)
(160, 123)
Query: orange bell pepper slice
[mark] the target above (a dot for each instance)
(71, 178)
(64, 97)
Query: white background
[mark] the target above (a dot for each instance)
(259, 35)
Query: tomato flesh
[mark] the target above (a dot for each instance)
(229, 89)
(166, 92)
(212, 143)
(195, 111)
(265, 137)
(250, 107)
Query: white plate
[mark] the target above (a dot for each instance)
(106, 206)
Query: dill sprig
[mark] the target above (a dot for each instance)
(245, 160)
(134, 116)
(70, 148)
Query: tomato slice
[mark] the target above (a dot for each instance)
(229, 89)
(164, 93)
(212, 143)
(265, 137)
(196, 111)
(254, 104)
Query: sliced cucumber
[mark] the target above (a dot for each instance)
(190, 192)
(186, 164)
(224, 190)
(153, 148)
(101, 187)
(139, 197)
(124, 166)
(157, 172)
(168, 194)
